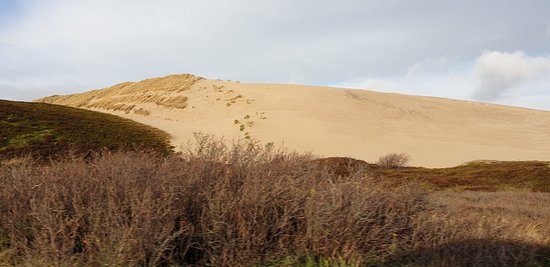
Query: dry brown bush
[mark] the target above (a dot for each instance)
(236, 205)
(143, 112)
(394, 160)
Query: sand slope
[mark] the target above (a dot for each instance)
(328, 121)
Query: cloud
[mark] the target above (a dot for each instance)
(513, 79)
(60, 46)
(439, 77)
(499, 73)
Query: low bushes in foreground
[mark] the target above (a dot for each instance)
(240, 205)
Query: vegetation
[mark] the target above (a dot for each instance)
(113, 195)
(248, 205)
(473, 176)
(179, 102)
(47, 130)
(143, 112)
(126, 97)
(476, 176)
(394, 160)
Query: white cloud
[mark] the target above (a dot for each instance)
(441, 77)
(61, 46)
(503, 78)
(499, 73)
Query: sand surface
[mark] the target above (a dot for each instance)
(361, 124)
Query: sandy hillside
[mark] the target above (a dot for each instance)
(328, 121)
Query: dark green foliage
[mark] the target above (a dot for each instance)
(46, 130)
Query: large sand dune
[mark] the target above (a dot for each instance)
(328, 121)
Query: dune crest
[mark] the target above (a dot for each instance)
(361, 124)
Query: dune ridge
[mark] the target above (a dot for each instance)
(362, 124)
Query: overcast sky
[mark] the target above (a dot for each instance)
(491, 51)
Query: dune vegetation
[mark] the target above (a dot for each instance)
(46, 130)
(477, 176)
(248, 204)
(125, 97)
(488, 176)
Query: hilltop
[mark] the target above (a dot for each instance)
(48, 130)
(362, 124)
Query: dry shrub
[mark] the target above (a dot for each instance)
(394, 160)
(342, 166)
(142, 112)
(221, 205)
(483, 229)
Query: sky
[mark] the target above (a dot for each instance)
(495, 51)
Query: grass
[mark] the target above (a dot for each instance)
(477, 176)
(179, 102)
(46, 130)
(142, 112)
(250, 205)
(473, 176)
(127, 97)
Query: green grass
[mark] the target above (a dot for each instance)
(46, 130)
(477, 176)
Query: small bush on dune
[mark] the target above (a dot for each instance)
(394, 160)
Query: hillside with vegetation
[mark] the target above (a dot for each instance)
(477, 176)
(46, 130)
(488, 176)
(253, 205)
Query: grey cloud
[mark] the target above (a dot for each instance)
(498, 73)
(97, 43)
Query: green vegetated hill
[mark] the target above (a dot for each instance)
(479, 176)
(473, 176)
(46, 130)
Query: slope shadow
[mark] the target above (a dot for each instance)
(477, 252)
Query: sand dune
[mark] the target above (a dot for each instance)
(328, 121)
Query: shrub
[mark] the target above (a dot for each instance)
(238, 205)
(142, 112)
(394, 160)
